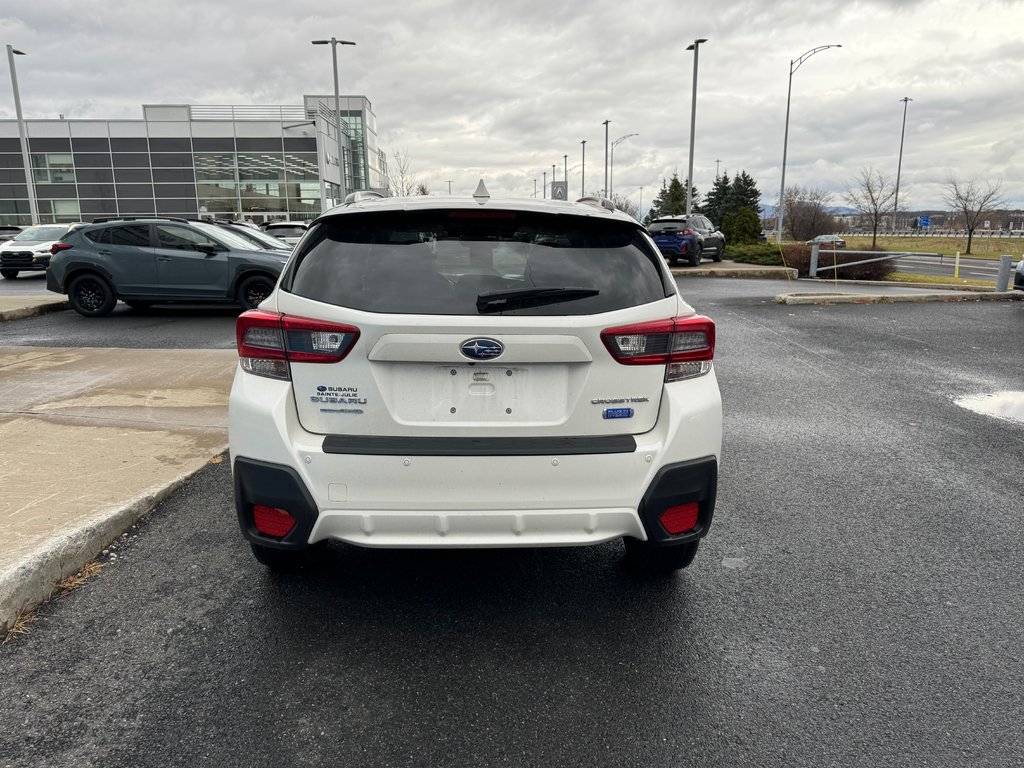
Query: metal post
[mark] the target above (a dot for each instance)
(899, 164)
(604, 192)
(785, 139)
(565, 170)
(29, 181)
(335, 42)
(449, 186)
(1003, 278)
(695, 47)
(813, 270)
(544, 186)
(583, 170)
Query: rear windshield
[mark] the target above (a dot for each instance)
(468, 262)
(286, 231)
(663, 227)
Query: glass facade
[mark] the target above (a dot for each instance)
(270, 175)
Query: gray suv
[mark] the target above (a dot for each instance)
(146, 261)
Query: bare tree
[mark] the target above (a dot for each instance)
(871, 193)
(805, 214)
(627, 206)
(421, 189)
(401, 180)
(969, 198)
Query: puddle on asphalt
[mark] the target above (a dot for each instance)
(1001, 405)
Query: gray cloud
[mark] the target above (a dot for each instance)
(503, 90)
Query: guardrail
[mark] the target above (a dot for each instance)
(814, 269)
(1002, 279)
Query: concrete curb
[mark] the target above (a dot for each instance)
(758, 273)
(19, 313)
(31, 581)
(901, 284)
(874, 298)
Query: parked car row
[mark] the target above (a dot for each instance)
(144, 261)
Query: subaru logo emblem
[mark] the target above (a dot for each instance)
(481, 349)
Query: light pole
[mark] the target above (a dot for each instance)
(641, 216)
(695, 47)
(449, 186)
(605, 190)
(334, 43)
(565, 172)
(544, 187)
(29, 181)
(611, 167)
(583, 170)
(899, 165)
(785, 138)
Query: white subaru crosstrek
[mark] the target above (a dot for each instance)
(468, 372)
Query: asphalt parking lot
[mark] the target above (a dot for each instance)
(858, 601)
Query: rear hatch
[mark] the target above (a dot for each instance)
(471, 322)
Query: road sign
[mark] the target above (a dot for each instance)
(924, 221)
(559, 190)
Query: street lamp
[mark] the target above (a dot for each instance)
(785, 139)
(565, 173)
(29, 181)
(695, 47)
(899, 165)
(544, 187)
(449, 186)
(334, 43)
(583, 170)
(611, 168)
(605, 190)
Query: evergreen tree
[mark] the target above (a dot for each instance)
(671, 200)
(743, 193)
(714, 206)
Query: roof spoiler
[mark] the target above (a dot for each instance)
(361, 195)
(598, 202)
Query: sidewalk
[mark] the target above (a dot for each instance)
(91, 440)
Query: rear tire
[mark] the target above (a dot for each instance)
(91, 295)
(665, 559)
(254, 290)
(720, 253)
(695, 257)
(279, 560)
(10, 274)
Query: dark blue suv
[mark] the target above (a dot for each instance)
(677, 240)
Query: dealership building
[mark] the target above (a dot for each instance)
(256, 162)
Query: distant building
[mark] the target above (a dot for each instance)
(192, 161)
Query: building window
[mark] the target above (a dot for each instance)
(53, 168)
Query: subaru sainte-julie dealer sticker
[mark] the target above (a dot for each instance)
(618, 413)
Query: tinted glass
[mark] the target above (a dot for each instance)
(660, 227)
(130, 234)
(98, 235)
(286, 231)
(179, 238)
(440, 262)
(226, 237)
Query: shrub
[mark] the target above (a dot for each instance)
(798, 256)
(742, 227)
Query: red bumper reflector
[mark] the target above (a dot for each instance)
(271, 521)
(679, 519)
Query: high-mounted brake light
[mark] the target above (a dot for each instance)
(269, 341)
(58, 247)
(686, 345)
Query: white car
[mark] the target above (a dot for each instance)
(468, 372)
(289, 231)
(29, 251)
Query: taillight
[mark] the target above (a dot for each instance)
(684, 232)
(269, 341)
(58, 247)
(686, 345)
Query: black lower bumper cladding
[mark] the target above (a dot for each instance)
(676, 484)
(273, 485)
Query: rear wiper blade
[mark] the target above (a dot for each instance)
(520, 298)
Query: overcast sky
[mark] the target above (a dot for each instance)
(503, 89)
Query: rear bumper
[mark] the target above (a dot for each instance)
(395, 499)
